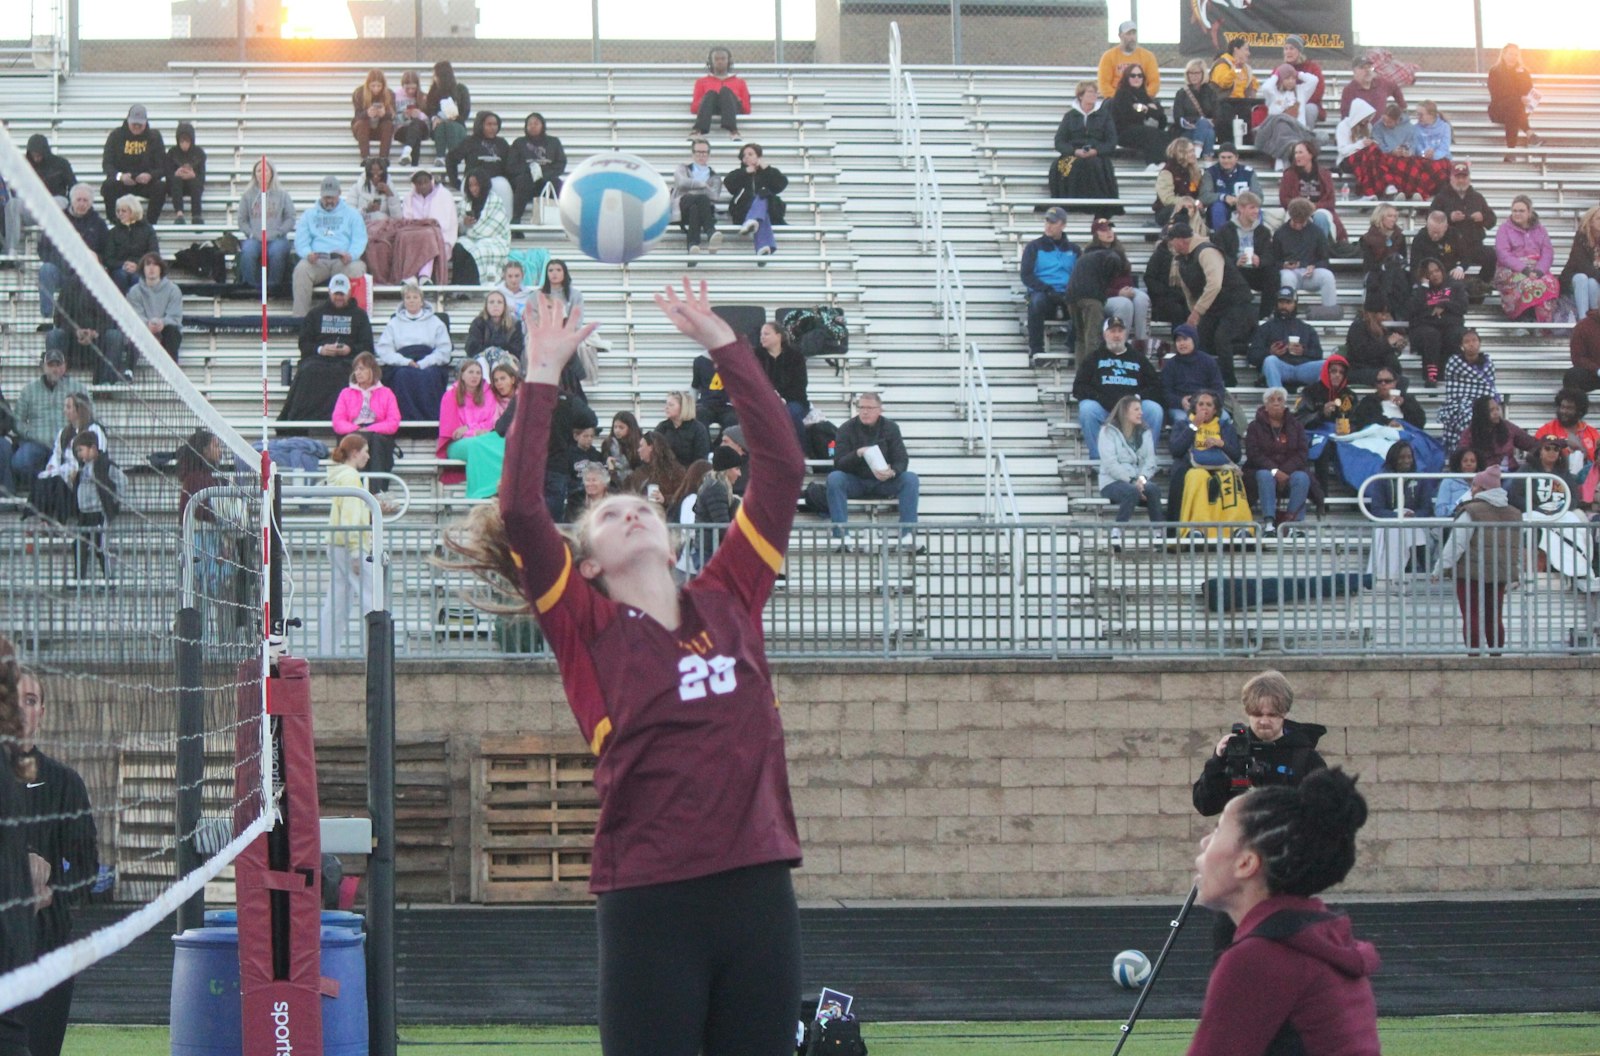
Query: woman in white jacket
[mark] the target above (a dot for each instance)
(1128, 465)
(415, 350)
(1288, 97)
(349, 551)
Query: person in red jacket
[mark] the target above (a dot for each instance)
(720, 92)
(699, 932)
(1295, 979)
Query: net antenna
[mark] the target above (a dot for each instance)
(90, 606)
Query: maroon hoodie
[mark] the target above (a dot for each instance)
(1294, 981)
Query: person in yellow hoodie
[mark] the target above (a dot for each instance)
(349, 552)
(1128, 53)
(1239, 88)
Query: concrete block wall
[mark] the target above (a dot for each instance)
(995, 780)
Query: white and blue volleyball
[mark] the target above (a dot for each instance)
(615, 207)
(1130, 969)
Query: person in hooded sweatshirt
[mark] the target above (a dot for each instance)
(265, 203)
(415, 350)
(54, 171)
(329, 238)
(135, 162)
(1293, 977)
(537, 161)
(1485, 558)
(485, 151)
(1109, 373)
(186, 164)
(1187, 374)
(159, 303)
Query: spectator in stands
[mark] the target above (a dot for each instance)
(411, 125)
(1438, 318)
(1115, 62)
(687, 436)
(430, 201)
(1127, 447)
(1304, 257)
(1468, 376)
(485, 241)
(1512, 97)
(1288, 97)
(1451, 493)
(331, 334)
(1434, 241)
(1277, 454)
(1387, 283)
(1483, 563)
(1085, 295)
(199, 463)
(1294, 53)
(1493, 437)
(696, 190)
(754, 203)
(1086, 139)
(1378, 173)
(485, 151)
(596, 486)
(1167, 303)
(494, 328)
(1305, 178)
(659, 476)
(350, 577)
(135, 162)
(511, 287)
(415, 351)
(1367, 86)
(1108, 373)
(1524, 254)
(862, 443)
(41, 414)
(54, 497)
(1398, 499)
(1552, 500)
(1327, 403)
(1124, 299)
(128, 241)
(1583, 440)
(1140, 119)
(715, 501)
(1238, 88)
(1434, 136)
(159, 303)
(1413, 172)
(1388, 404)
(1370, 346)
(621, 447)
(375, 115)
(1186, 374)
(87, 335)
(186, 182)
(367, 406)
(785, 366)
(100, 487)
(1221, 304)
(1394, 133)
(265, 203)
(1470, 218)
(1183, 193)
(447, 107)
(1205, 441)
(558, 287)
(1581, 276)
(330, 239)
(1194, 109)
(371, 195)
(1584, 376)
(467, 413)
(1285, 349)
(91, 227)
(57, 176)
(1228, 180)
(1247, 241)
(536, 165)
(721, 93)
(1047, 264)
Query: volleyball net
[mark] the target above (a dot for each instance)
(131, 548)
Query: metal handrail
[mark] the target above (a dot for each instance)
(317, 475)
(1527, 494)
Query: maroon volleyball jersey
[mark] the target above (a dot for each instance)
(684, 723)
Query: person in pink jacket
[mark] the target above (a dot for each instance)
(1524, 256)
(367, 406)
(467, 416)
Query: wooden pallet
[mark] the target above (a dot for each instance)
(534, 816)
(423, 809)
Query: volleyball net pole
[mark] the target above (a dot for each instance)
(1144, 992)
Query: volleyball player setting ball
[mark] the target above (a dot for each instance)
(699, 932)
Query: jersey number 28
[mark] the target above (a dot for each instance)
(699, 675)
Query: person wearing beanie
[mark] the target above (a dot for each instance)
(330, 238)
(134, 161)
(1222, 307)
(1107, 374)
(1187, 373)
(1484, 556)
(715, 502)
(1294, 53)
(186, 164)
(1128, 52)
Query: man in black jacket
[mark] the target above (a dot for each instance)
(1470, 219)
(135, 162)
(870, 461)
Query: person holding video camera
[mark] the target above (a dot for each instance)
(1270, 749)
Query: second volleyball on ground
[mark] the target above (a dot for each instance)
(615, 207)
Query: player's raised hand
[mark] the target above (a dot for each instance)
(551, 339)
(693, 317)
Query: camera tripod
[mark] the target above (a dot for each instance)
(1155, 969)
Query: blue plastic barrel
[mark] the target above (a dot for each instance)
(205, 993)
(331, 918)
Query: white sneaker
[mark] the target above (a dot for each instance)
(405, 156)
(714, 243)
(764, 251)
(1116, 540)
(748, 227)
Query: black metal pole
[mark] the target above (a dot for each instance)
(191, 760)
(1155, 969)
(382, 1024)
(275, 535)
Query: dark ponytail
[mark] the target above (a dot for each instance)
(1306, 836)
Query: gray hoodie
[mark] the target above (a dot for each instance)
(1123, 461)
(162, 301)
(281, 213)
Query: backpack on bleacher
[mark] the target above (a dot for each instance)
(205, 259)
(819, 331)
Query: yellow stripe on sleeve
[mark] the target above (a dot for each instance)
(764, 550)
(548, 599)
(601, 731)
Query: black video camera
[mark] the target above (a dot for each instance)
(1245, 766)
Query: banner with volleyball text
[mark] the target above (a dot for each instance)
(1324, 24)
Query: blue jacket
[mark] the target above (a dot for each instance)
(1186, 375)
(1047, 264)
(339, 230)
(1435, 137)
